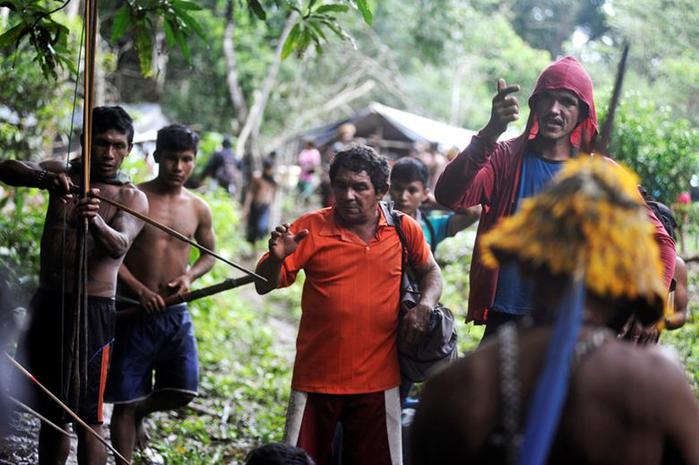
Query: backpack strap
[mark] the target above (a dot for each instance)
(393, 218)
(387, 209)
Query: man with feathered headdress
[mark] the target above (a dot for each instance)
(567, 390)
(500, 175)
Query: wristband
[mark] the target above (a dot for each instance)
(41, 179)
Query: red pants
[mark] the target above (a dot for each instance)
(370, 424)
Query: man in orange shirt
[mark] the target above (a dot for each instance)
(346, 367)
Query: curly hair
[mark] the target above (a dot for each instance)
(358, 158)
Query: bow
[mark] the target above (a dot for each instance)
(606, 133)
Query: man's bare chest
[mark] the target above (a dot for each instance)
(178, 215)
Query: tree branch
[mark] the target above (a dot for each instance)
(234, 89)
(254, 120)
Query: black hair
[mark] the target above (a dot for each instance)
(665, 215)
(278, 454)
(226, 143)
(268, 162)
(115, 117)
(358, 158)
(176, 138)
(409, 169)
(661, 211)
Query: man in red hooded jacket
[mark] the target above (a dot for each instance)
(499, 175)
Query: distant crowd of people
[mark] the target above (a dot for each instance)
(572, 271)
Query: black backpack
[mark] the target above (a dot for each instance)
(438, 344)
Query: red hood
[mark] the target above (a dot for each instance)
(567, 73)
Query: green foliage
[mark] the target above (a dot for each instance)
(48, 37)
(315, 16)
(33, 21)
(662, 149)
(454, 258)
(33, 112)
(143, 18)
(21, 222)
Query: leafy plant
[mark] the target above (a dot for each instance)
(34, 23)
(143, 18)
(662, 149)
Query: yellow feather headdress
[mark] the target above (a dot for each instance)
(591, 220)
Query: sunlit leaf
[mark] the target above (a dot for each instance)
(122, 20)
(187, 5)
(318, 30)
(290, 41)
(144, 47)
(366, 11)
(190, 22)
(333, 8)
(169, 35)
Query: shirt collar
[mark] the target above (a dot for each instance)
(331, 228)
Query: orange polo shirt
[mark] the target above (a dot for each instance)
(347, 336)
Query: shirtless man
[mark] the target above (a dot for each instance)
(621, 404)
(111, 232)
(258, 202)
(160, 341)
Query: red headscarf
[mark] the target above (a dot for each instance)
(568, 74)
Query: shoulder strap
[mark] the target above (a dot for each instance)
(393, 218)
(387, 209)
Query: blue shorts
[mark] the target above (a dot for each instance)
(153, 352)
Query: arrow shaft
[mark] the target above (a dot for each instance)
(178, 235)
(33, 412)
(65, 408)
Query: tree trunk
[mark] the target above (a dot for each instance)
(254, 119)
(73, 8)
(237, 97)
(160, 60)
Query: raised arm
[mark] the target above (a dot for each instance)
(463, 220)
(469, 179)
(205, 236)
(117, 236)
(282, 243)
(48, 175)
